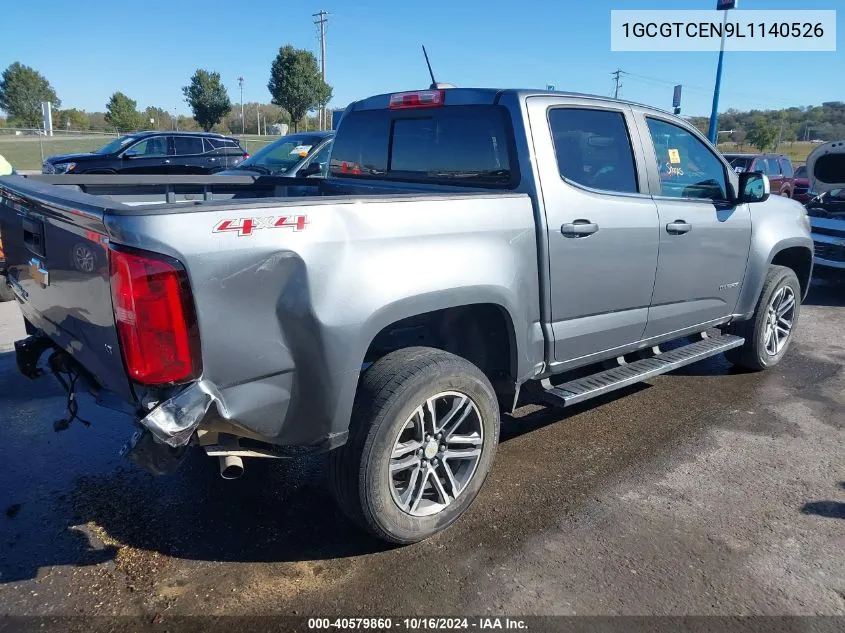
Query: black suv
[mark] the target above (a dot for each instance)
(153, 153)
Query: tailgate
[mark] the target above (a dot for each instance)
(57, 260)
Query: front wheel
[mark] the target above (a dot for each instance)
(769, 332)
(424, 430)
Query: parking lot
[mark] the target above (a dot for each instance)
(705, 491)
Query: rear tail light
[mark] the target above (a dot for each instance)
(245, 156)
(155, 317)
(418, 99)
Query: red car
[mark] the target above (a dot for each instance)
(776, 166)
(801, 193)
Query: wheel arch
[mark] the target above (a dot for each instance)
(793, 252)
(440, 318)
(800, 260)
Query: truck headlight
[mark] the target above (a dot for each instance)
(64, 168)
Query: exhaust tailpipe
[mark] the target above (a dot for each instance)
(231, 466)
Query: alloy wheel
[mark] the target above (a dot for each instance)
(436, 453)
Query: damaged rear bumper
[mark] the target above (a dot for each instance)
(165, 429)
(174, 421)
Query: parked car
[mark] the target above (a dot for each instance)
(295, 155)
(802, 192)
(777, 167)
(154, 153)
(826, 171)
(470, 249)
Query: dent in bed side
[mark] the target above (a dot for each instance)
(286, 317)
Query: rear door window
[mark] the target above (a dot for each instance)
(187, 145)
(786, 166)
(460, 145)
(593, 149)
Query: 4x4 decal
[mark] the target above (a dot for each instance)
(247, 226)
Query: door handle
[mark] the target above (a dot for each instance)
(579, 228)
(678, 227)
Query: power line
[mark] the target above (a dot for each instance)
(321, 20)
(704, 90)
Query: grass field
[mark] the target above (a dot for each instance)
(24, 152)
(797, 152)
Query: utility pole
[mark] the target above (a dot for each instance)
(321, 20)
(713, 133)
(616, 77)
(258, 119)
(243, 120)
(780, 135)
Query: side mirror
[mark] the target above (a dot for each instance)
(753, 187)
(311, 169)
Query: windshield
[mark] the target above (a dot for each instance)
(801, 172)
(739, 163)
(115, 146)
(283, 155)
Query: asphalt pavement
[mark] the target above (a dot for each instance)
(705, 491)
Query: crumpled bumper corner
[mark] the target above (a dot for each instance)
(174, 421)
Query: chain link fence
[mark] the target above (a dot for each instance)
(26, 148)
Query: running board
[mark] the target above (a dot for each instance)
(603, 382)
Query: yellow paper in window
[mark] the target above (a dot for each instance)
(674, 156)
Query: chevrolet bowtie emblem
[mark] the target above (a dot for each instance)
(38, 273)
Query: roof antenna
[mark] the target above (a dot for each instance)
(434, 85)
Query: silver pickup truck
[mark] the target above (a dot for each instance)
(471, 250)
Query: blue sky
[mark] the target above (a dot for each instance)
(149, 49)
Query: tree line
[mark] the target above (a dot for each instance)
(766, 129)
(296, 88)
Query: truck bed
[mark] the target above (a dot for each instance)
(274, 279)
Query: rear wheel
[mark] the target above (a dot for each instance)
(768, 333)
(424, 430)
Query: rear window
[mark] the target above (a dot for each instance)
(460, 145)
(218, 143)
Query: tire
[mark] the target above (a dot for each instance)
(757, 352)
(390, 396)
